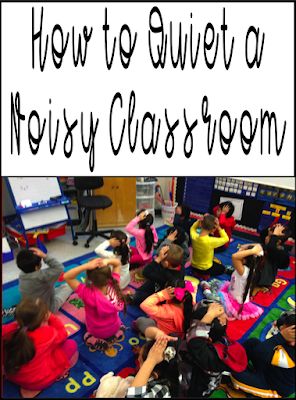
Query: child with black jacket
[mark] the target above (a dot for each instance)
(273, 372)
(164, 269)
(276, 254)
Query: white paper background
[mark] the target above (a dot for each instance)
(92, 88)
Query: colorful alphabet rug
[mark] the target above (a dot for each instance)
(84, 378)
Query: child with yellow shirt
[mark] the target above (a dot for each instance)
(203, 245)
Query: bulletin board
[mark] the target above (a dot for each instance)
(198, 193)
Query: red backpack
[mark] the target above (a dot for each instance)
(233, 355)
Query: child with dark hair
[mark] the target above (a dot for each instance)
(203, 245)
(36, 349)
(169, 310)
(35, 282)
(276, 255)
(182, 218)
(119, 242)
(164, 269)
(224, 212)
(146, 237)
(235, 295)
(103, 300)
(272, 374)
(209, 350)
(158, 373)
(177, 236)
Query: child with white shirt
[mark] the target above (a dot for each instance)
(119, 241)
(235, 295)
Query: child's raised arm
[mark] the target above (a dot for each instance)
(239, 256)
(70, 276)
(116, 264)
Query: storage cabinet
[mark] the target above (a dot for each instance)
(146, 196)
(122, 192)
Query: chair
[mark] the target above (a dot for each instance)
(90, 203)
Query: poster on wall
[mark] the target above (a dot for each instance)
(272, 211)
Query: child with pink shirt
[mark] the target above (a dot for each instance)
(103, 300)
(145, 235)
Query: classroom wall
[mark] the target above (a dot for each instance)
(282, 181)
(201, 194)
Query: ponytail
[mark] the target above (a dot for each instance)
(254, 263)
(123, 249)
(149, 238)
(187, 310)
(119, 293)
(19, 348)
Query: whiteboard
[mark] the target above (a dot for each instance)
(34, 188)
(44, 217)
(238, 206)
(38, 189)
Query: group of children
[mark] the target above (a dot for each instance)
(187, 350)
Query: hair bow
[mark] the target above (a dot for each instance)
(180, 292)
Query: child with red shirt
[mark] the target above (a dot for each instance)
(227, 222)
(36, 349)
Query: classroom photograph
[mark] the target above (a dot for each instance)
(148, 287)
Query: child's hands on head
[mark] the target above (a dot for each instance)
(257, 249)
(288, 333)
(217, 224)
(215, 310)
(172, 236)
(38, 252)
(170, 291)
(279, 230)
(178, 210)
(114, 242)
(97, 263)
(143, 215)
(155, 354)
(162, 254)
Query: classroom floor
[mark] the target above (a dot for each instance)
(63, 250)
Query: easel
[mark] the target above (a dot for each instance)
(38, 202)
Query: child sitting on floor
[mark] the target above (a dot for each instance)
(177, 236)
(146, 237)
(209, 351)
(276, 255)
(223, 212)
(273, 362)
(203, 246)
(36, 349)
(36, 283)
(119, 242)
(235, 295)
(165, 269)
(103, 300)
(173, 316)
(182, 218)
